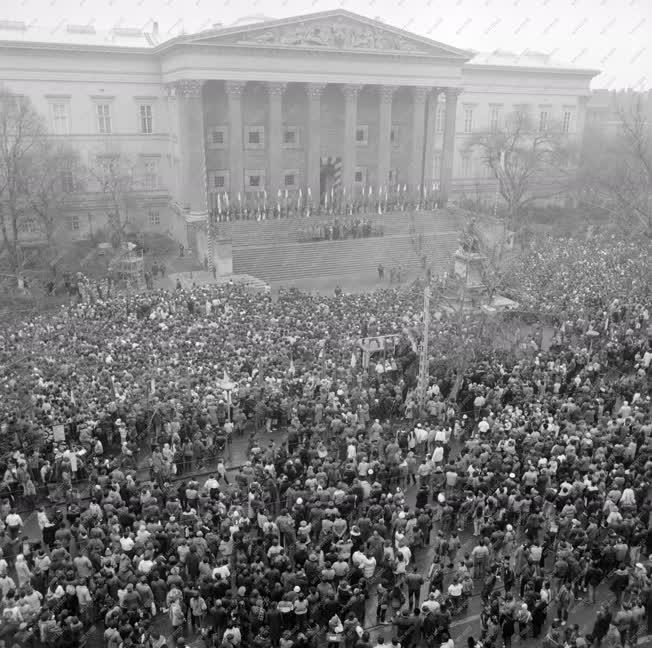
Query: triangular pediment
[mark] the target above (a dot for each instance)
(330, 30)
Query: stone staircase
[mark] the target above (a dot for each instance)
(291, 260)
(286, 230)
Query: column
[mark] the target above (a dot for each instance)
(313, 143)
(448, 152)
(415, 172)
(192, 153)
(386, 96)
(430, 135)
(234, 90)
(275, 137)
(350, 122)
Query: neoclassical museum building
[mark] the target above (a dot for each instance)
(305, 104)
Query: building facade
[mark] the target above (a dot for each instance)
(309, 104)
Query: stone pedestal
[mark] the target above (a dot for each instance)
(467, 269)
(223, 256)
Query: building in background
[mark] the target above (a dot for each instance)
(325, 100)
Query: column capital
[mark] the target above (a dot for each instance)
(351, 90)
(314, 90)
(185, 88)
(452, 93)
(386, 93)
(235, 88)
(276, 88)
(420, 94)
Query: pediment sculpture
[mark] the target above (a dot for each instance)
(339, 34)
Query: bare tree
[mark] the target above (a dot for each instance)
(114, 176)
(22, 135)
(527, 162)
(616, 170)
(55, 176)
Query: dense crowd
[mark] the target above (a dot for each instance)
(541, 458)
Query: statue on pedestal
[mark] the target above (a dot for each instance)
(470, 239)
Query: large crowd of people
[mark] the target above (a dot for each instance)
(540, 458)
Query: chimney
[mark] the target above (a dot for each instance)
(155, 29)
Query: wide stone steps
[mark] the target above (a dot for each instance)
(336, 258)
(287, 230)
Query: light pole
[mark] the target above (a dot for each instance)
(424, 368)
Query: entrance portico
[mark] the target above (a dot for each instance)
(259, 107)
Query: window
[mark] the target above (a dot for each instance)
(466, 166)
(217, 137)
(362, 135)
(494, 118)
(67, 181)
(543, 120)
(146, 119)
(106, 170)
(60, 111)
(290, 178)
(360, 175)
(394, 136)
(150, 176)
(291, 137)
(254, 180)
(439, 118)
(73, 223)
(255, 138)
(468, 120)
(29, 225)
(218, 180)
(154, 217)
(104, 118)
(566, 121)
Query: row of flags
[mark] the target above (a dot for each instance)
(261, 206)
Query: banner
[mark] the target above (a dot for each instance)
(379, 343)
(58, 433)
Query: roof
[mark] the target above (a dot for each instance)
(527, 59)
(130, 38)
(15, 32)
(119, 37)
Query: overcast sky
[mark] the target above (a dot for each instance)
(610, 35)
